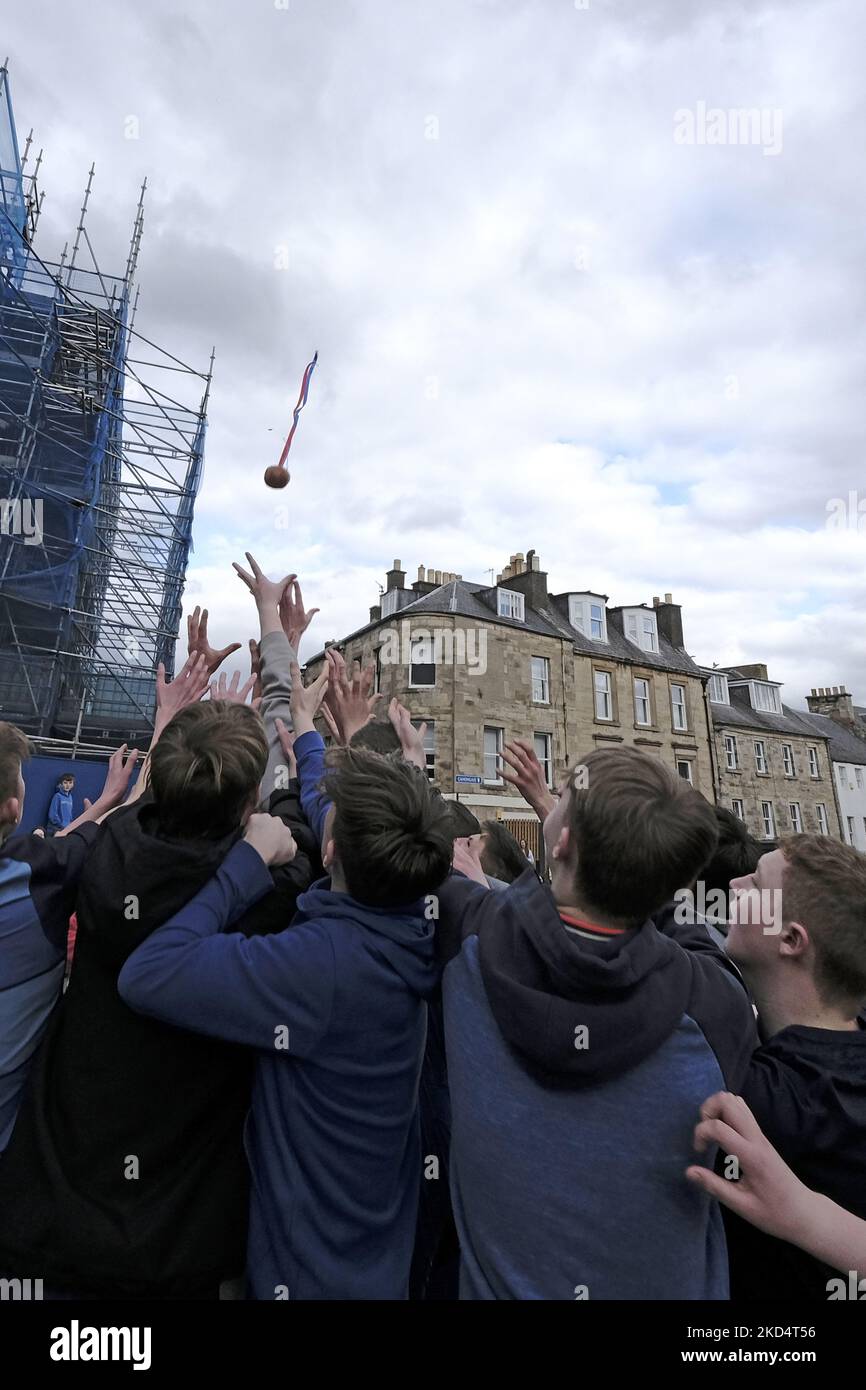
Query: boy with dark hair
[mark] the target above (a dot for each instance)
(334, 1008)
(798, 933)
(60, 809)
(572, 1024)
(126, 1175)
(38, 880)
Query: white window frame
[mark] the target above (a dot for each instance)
(687, 764)
(606, 693)
(796, 817)
(429, 745)
(732, 753)
(842, 773)
(761, 765)
(547, 760)
(644, 699)
(582, 618)
(814, 769)
(430, 647)
(541, 682)
(496, 779)
(738, 808)
(510, 604)
(718, 683)
(681, 705)
(641, 628)
(788, 763)
(821, 817)
(768, 820)
(850, 829)
(768, 700)
(858, 777)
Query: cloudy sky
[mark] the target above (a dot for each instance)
(551, 310)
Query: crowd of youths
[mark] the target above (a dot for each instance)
(326, 1037)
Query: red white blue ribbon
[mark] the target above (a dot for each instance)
(302, 401)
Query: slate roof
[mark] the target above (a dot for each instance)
(845, 745)
(790, 721)
(460, 597)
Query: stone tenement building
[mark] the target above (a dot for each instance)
(484, 664)
(832, 712)
(774, 763)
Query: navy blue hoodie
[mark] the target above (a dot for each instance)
(335, 1010)
(577, 1068)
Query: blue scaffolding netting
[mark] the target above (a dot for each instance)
(99, 471)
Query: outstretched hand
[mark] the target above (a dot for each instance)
(527, 776)
(198, 644)
(348, 704)
(305, 701)
(411, 739)
(187, 688)
(233, 690)
(266, 592)
(293, 616)
(766, 1192)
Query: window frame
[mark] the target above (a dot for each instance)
(765, 770)
(718, 676)
(544, 699)
(731, 747)
(814, 766)
(788, 758)
(516, 600)
(499, 731)
(608, 675)
(646, 699)
(686, 762)
(772, 820)
(684, 727)
(547, 760)
(796, 816)
(741, 814)
(416, 684)
(822, 818)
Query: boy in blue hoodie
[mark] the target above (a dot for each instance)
(335, 1010)
(60, 809)
(581, 1042)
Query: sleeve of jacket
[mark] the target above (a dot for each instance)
(463, 906)
(277, 657)
(274, 993)
(310, 757)
(55, 868)
(54, 816)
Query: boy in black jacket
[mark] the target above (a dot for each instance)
(798, 933)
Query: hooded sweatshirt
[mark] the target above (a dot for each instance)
(335, 1011)
(38, 882)
(60, 809)
(577, 1069)
(125, 1175)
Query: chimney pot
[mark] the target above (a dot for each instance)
(656, 600)
(669, 598)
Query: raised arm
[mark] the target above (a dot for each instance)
(268, 992)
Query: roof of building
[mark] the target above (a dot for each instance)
(845, 745)
(460, 597)
(790, 721)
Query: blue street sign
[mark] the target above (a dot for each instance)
(461, 777)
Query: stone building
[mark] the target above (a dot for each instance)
(569, 672)
(774, 763)
(832, 712)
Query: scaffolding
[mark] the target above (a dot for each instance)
(101, 456)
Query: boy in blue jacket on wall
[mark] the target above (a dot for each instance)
(335, 1008)
(60, 808)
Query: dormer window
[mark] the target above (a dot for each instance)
(765, 697)
(641, 628)
(587, 614)
(509, 604)
(717, 689)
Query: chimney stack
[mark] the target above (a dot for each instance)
(669, 616)
(838, 704)
(395, 576)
